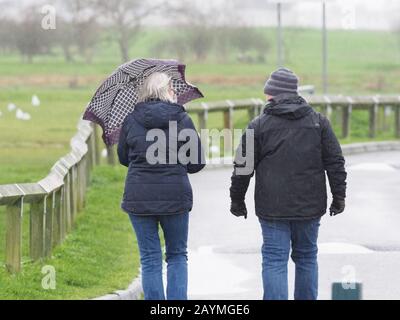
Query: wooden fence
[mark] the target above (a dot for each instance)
(326, 104)
(54, 201)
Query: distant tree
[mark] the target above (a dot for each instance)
(79, 28)
(7, 34)
(30, 38)
(126, 18)
(196, 23)
(65, 38)
(223, 45)
(397, 23)
(247, 40)
(87, 36)
(175, 45)
(200, 40)
(7, 27)
(217, 27)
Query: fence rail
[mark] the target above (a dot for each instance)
(327, 104)
(54, 201)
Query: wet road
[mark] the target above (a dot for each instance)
(224, 251)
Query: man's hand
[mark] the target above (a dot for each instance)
(238, 208)
(337, 206)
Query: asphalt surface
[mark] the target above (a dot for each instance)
(362, 244)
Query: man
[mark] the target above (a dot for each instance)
(293, 147)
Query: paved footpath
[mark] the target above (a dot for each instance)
(224, 251)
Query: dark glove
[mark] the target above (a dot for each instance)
(238, 208)
(337, 206)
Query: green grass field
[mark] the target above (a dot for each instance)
(94, 260)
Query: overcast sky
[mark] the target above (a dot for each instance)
(341, 14)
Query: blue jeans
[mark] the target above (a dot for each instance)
(175, 228)
(278, 236)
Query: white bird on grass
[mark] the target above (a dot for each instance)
(35, 101)
(11, 107)
(20, 115)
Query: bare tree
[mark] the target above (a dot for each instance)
(65, 38)
(79, 28)
(7, 27)
(247, 40)
(126, 18)
(197, 24)
(174, 44)
(7, 36)
(30, 38)
(213, 27)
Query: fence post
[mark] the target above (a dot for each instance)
(383, 117)
(228, 124)
(373, 113)
(110, 155)
(397, 115)
(346, 114)
(84, 180)
(67, 204)
(203, 116)
(90, 152)
(37, 227)
(252, 111)
(96, 147)
(73, 195)
(57, 218)
(397, 120)
(13, 256)
(80, 182)
(49, 216)
(327, 111)
(261, 106)
(63, 215)
(61, 201)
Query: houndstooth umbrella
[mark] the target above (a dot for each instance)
(118, 94)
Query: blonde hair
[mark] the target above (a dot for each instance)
(157, 86)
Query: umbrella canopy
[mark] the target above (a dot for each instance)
(119, 93)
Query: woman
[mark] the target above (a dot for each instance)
(159, 192)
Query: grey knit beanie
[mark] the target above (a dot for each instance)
(281, 81)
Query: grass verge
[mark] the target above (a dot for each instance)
(98, 257)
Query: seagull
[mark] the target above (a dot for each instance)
(35, 101)
(20, 115)
(11, 107)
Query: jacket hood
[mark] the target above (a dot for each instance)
(288, 106)
(158, 114)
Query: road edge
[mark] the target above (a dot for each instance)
(348, 149)
(133, 292)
